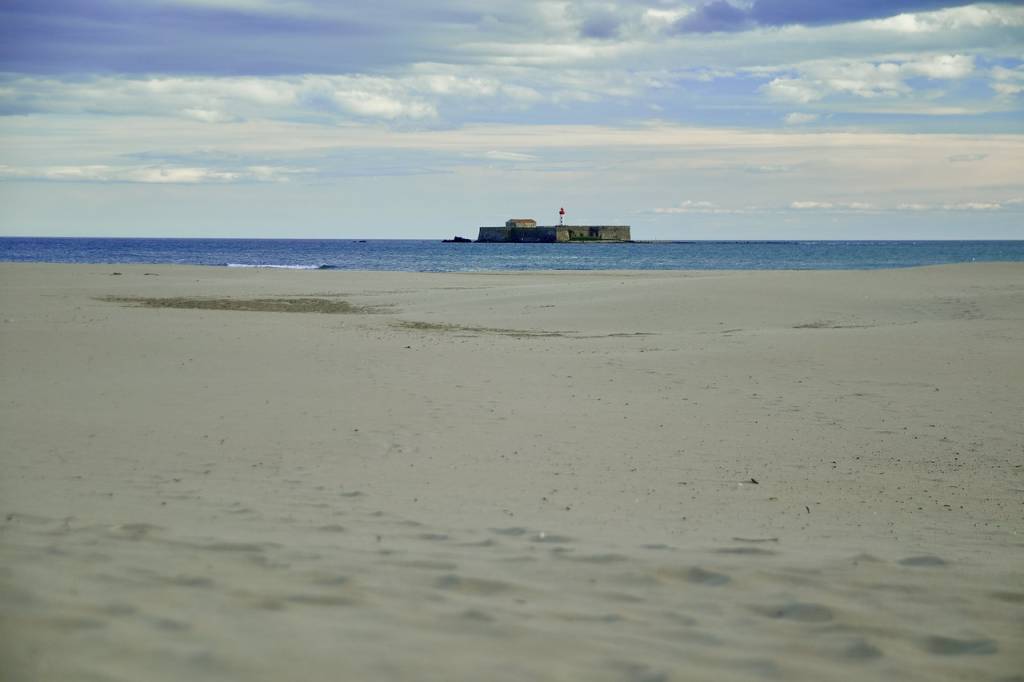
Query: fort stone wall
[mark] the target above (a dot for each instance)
(596, 233)
(556, 233)
(517, 234)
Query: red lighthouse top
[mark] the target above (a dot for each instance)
(561, 211)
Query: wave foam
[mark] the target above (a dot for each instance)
(279, 266)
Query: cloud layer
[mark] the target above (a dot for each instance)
(616, 104)
(722, 15)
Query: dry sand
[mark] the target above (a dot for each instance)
(511, 476)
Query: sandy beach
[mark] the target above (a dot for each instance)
(219, 473)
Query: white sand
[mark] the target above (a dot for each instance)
(513, 476)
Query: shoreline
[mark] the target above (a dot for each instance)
(511, 272)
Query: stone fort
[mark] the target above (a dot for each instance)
(527, 230)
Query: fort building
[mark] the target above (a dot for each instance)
(523, 230)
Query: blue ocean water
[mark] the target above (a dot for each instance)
(435, 256)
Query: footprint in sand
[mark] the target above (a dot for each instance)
(476, 586)
(949, 646)
(862, 650)
(748, 551)
(514, 531)
(801, 612)
(699, 576)
(926, 560)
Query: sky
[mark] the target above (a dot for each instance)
(686, 119)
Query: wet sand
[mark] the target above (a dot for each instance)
(214, 473)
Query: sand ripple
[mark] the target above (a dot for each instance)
(507, 603)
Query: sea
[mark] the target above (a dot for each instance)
(436, 256)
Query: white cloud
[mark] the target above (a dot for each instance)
(912, 206)
(375, 105)
(844, 207)
(208, 115)
(496, 155)
(961, 206)
(226, 99)
(421, 95)
(950, 66)
(951, 19)
(819, 79)
(543, 53)
(794, 90)
(178, 175)
(857, 206)
(690, 206)
(521, 95)
(1008, 82)
(660, 19)
(973, 206)
(449, 84)
(798, 118)
(832, 205)
(1008, 89)
(766, 169)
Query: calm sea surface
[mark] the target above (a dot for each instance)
(434, 256)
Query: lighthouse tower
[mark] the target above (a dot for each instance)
(561, 216)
